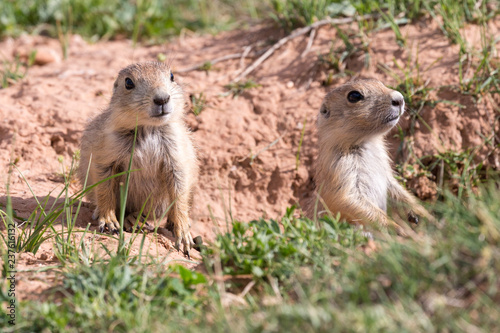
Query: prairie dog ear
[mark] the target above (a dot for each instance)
(324, 111)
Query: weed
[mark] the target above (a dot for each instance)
(254, 156)
(15, 70)
(35, 230)
(237, 88)
(152, 20)
(307, 276)
(118, 295)
(271, 248)
(410, 82)
(485, 76)
(64, 246)
(206, 67)
(457, 171)
(416, 92)
(335, 60)
(296, 13)
(389, 289)
(199, 102)
(64, 25)
(162, 57)
(68, 174)
(410, 171)
(147, 20)
(391, 21)
(452, 14)
(39, 226)
(122, 249)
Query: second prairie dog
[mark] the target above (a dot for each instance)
(353, 170)
(146, 97)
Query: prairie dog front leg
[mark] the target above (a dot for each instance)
(105, 194)
(179, 222)
(368, 212)
(400, 194)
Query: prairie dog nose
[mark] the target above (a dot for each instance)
(397, 99)
(161, 99)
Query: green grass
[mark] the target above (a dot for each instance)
(237, 88)
(334, 62)
(484, 76)
(297, 275)
(409, 81)
(148, 20)
(278, 248)
(479, 78)
(120, 297)
(199, 102)
(154, 21)
(15, 70)
(297, 13)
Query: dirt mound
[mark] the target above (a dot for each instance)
(248, 144)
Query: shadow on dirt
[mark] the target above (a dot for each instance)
(23, 208)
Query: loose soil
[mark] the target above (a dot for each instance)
(247, 144)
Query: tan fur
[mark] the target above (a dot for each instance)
(164, 154)
(353, 171)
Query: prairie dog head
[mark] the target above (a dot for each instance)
(359, 110)
(146, 92)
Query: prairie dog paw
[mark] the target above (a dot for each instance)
(110, 222)
(412, 217)
(139, 222)
(183, 237)
(422, 212)
(400, 231)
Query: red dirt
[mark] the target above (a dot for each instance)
(44, 115)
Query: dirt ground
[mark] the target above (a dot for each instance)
(247, 145)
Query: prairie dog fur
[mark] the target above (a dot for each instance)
(146, 96)
(353, 170)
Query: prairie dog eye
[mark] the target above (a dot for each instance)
(129, 84)
(324, 111)
(171, 77)
(354, 96)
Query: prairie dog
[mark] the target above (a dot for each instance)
(353, 170)
(146, 97)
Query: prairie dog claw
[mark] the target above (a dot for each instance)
(110, 222)
(412, 218)
(134, 220)
(185, 239)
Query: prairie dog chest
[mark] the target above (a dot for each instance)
(152, 153)
(373, 170)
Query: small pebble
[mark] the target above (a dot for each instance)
(198, 241)
(46, 56)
